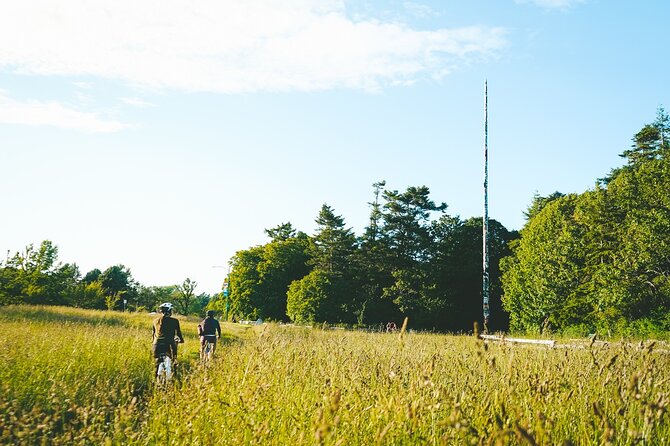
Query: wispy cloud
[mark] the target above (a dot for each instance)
(135, 102)
(54, 114)
(420, 10)
(552, 4)
(230, 46)
(82, 85)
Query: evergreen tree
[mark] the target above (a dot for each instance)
(407, 234)
(331, 252)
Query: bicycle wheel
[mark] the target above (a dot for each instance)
(164, 373)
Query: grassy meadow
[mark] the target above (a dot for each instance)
(71, 376)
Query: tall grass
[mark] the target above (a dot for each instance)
(72, 376)
(307, 387)
(276, 385)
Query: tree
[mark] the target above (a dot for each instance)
(149, 298)
(332, 244)
(541, 281)
(245, 282)
(455, 299)
(11, 285)
(117, 283)
(112, 300)
(282, 232)
(406, 223)
(36, 277)
(652, 142)
(632, 226)
(600, 259)
(538, 203)
(185, 295)
(261, 275)
(92, 275)
(407, 234)
(331, 254)
(310, 299)
(283, 262)
(88, 295)
(372, 275)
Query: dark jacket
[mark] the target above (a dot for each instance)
(210, 327)
(165, 329)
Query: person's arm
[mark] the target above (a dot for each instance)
(181, 338)
(218, 328)
(153, 332)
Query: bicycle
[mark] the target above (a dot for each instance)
(164, 374)
(208, 349)
(166, 367)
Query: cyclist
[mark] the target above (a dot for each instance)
(166, 334)
(210, 329)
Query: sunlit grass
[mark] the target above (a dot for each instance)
(89, 380)
(306, 387)
(73, 375)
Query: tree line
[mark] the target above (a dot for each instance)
(599, 260)
(35, 276)
(590, 262)
(595, 261)
(412, 260)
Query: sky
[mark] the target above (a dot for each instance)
(167, 135)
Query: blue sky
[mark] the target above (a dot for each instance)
(166, 136)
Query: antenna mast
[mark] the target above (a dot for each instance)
(485, 220)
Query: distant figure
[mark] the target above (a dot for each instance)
(391, 327)
(166, 334)
(209, 328)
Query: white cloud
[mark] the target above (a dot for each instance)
(552, 4)
(83, 85)
(53, 114)
(136, 102)
(229, 46)
(420, 10)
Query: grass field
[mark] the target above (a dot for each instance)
(72, 376)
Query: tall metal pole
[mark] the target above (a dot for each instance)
(485, 220)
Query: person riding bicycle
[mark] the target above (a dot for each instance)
(210, 329)
(166, 334)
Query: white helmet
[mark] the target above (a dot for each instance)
(165, 308)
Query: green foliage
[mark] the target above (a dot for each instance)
(184, 296)
(149, 298)
(118, 284)
(652, 142)
(543, 276)
(244, 282)
(407, 224)
(112, 300)
(539, 202)
(89, 295)
(412, 261)
(282, 232)
(332, 245)
(310, 299)
(35, 276)
(456, 272)
(599, 259)
(596, 261)
(260, 277)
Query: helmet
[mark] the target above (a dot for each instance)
(165, 308)
(211, 313)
